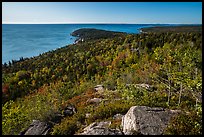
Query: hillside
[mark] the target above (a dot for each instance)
(92, 81)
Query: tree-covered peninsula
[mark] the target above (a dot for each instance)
(100, 79)
(90, 34)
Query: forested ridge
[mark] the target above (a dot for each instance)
(180, 28)
(170, 63)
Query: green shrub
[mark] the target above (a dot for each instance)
(107, 110)
(69, 125)
(22, 74)
(186, 124)
(154, 99)
(14, 118)
(18, 115)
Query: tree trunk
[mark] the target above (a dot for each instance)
(196, 103)
(180, 94)
(169, 92)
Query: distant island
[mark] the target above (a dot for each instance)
(183, 28)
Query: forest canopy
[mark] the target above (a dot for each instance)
(186, 28)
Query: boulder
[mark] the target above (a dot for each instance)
(146, 120)
(37, 128)
(99, 88)
(94, 100)
(100, 128)
(118, 116)
(143, 86)
(87, 115)
(69, 111)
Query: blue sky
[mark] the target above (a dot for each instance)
(102, 12)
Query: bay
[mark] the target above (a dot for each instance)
(28, 40)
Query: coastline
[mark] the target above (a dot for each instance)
(16, 56)
(36, 39)
(84, 34)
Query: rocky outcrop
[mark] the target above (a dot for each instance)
(99, 88)
(42, 128)
(118, 116)
(37, 128)
(146, 120)
(78, 40)
(143, 86)
(100, 128)
(69, 111)
(87, 115)
(94, 100)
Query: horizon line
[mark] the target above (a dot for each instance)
(88, 23)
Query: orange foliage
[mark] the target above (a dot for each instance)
(5, 89)
(81, 100)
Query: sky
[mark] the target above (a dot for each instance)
(102, 12)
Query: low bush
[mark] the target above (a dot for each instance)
(107, 110)
(18, 115)
(186, 124)
(66, 127)
(69, 125)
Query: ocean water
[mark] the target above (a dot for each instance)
(28, 40)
